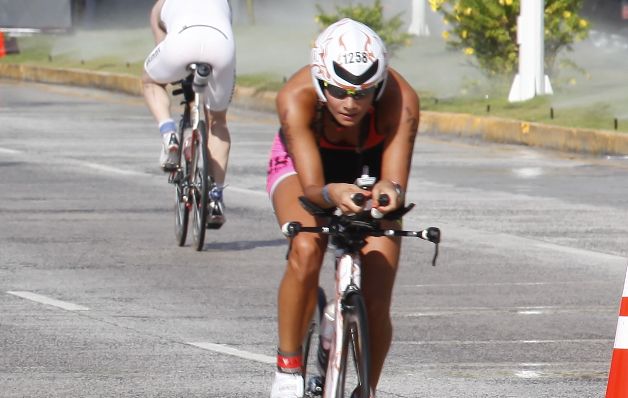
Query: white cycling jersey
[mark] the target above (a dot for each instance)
(196, 31)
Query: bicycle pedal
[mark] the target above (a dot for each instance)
(314, 387)
(215, 224)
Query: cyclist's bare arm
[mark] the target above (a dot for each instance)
(159, 32)
(296, 106)
(399, 121)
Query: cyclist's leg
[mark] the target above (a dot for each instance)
(218, 50)
(219, 143)
(162, 66)
(380, 260)
(157, 98)
(298, 290)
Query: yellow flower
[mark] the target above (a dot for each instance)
(464, 34)
(468, 11)
(436, 4)
(501, 2)
(508, 2)
(566, 14)
(583, 23)
(445, 35)
(469, 51)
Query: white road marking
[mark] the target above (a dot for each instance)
(493, 284)
(225, 349)
(528, 374)
(10, 151)
(247, 191)
(532, 310)
(38, 298)
(500, 342)
(112, 170)
(527, 172)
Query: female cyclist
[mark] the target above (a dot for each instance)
(346, 110)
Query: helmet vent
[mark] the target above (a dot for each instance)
(353, 79)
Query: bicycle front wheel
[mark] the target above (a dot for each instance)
(355, 340)
(200, 187)
(311, 345)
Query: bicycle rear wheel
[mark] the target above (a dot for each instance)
(356, 339)
(181, 207)
(200, 188)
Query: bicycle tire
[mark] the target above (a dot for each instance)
(312, 336)
(200, 184)
(181, 208)
(355, 335)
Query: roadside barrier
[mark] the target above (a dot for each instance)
(618, 375)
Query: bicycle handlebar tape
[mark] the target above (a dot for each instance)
(358, 198)
(383, 200)
(618, 375)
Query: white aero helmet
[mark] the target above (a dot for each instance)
(350, 55)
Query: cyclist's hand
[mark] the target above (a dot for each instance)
(343, 196)
(386, 189)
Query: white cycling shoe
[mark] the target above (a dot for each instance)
(169, 152)
(287, 385)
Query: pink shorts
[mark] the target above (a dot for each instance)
(280, 166)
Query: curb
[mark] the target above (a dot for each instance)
(507, 131)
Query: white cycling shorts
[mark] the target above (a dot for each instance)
(168, 62)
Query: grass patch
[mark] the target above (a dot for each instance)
(261, 82)
(37, 50)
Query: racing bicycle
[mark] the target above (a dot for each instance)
(191, 178)
(349, 327)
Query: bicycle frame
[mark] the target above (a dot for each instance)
(191, 175)
(348, 281)
(351, 232)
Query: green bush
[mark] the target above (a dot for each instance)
(372, 16)
(487, 30)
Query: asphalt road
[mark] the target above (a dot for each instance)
(96, 299)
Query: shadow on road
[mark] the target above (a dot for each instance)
(245, 245)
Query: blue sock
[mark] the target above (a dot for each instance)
(168, 126)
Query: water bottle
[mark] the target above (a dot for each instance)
(201, 78)
(326, 334)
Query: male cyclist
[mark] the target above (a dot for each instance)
(192, 31)
(346, 110)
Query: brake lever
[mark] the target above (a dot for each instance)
(435, 254)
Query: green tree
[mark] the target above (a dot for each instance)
(487, 30)
(372, 16)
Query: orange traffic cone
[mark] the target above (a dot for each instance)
(3, 51)
(618, 375)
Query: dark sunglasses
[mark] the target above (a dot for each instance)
(341, 93)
